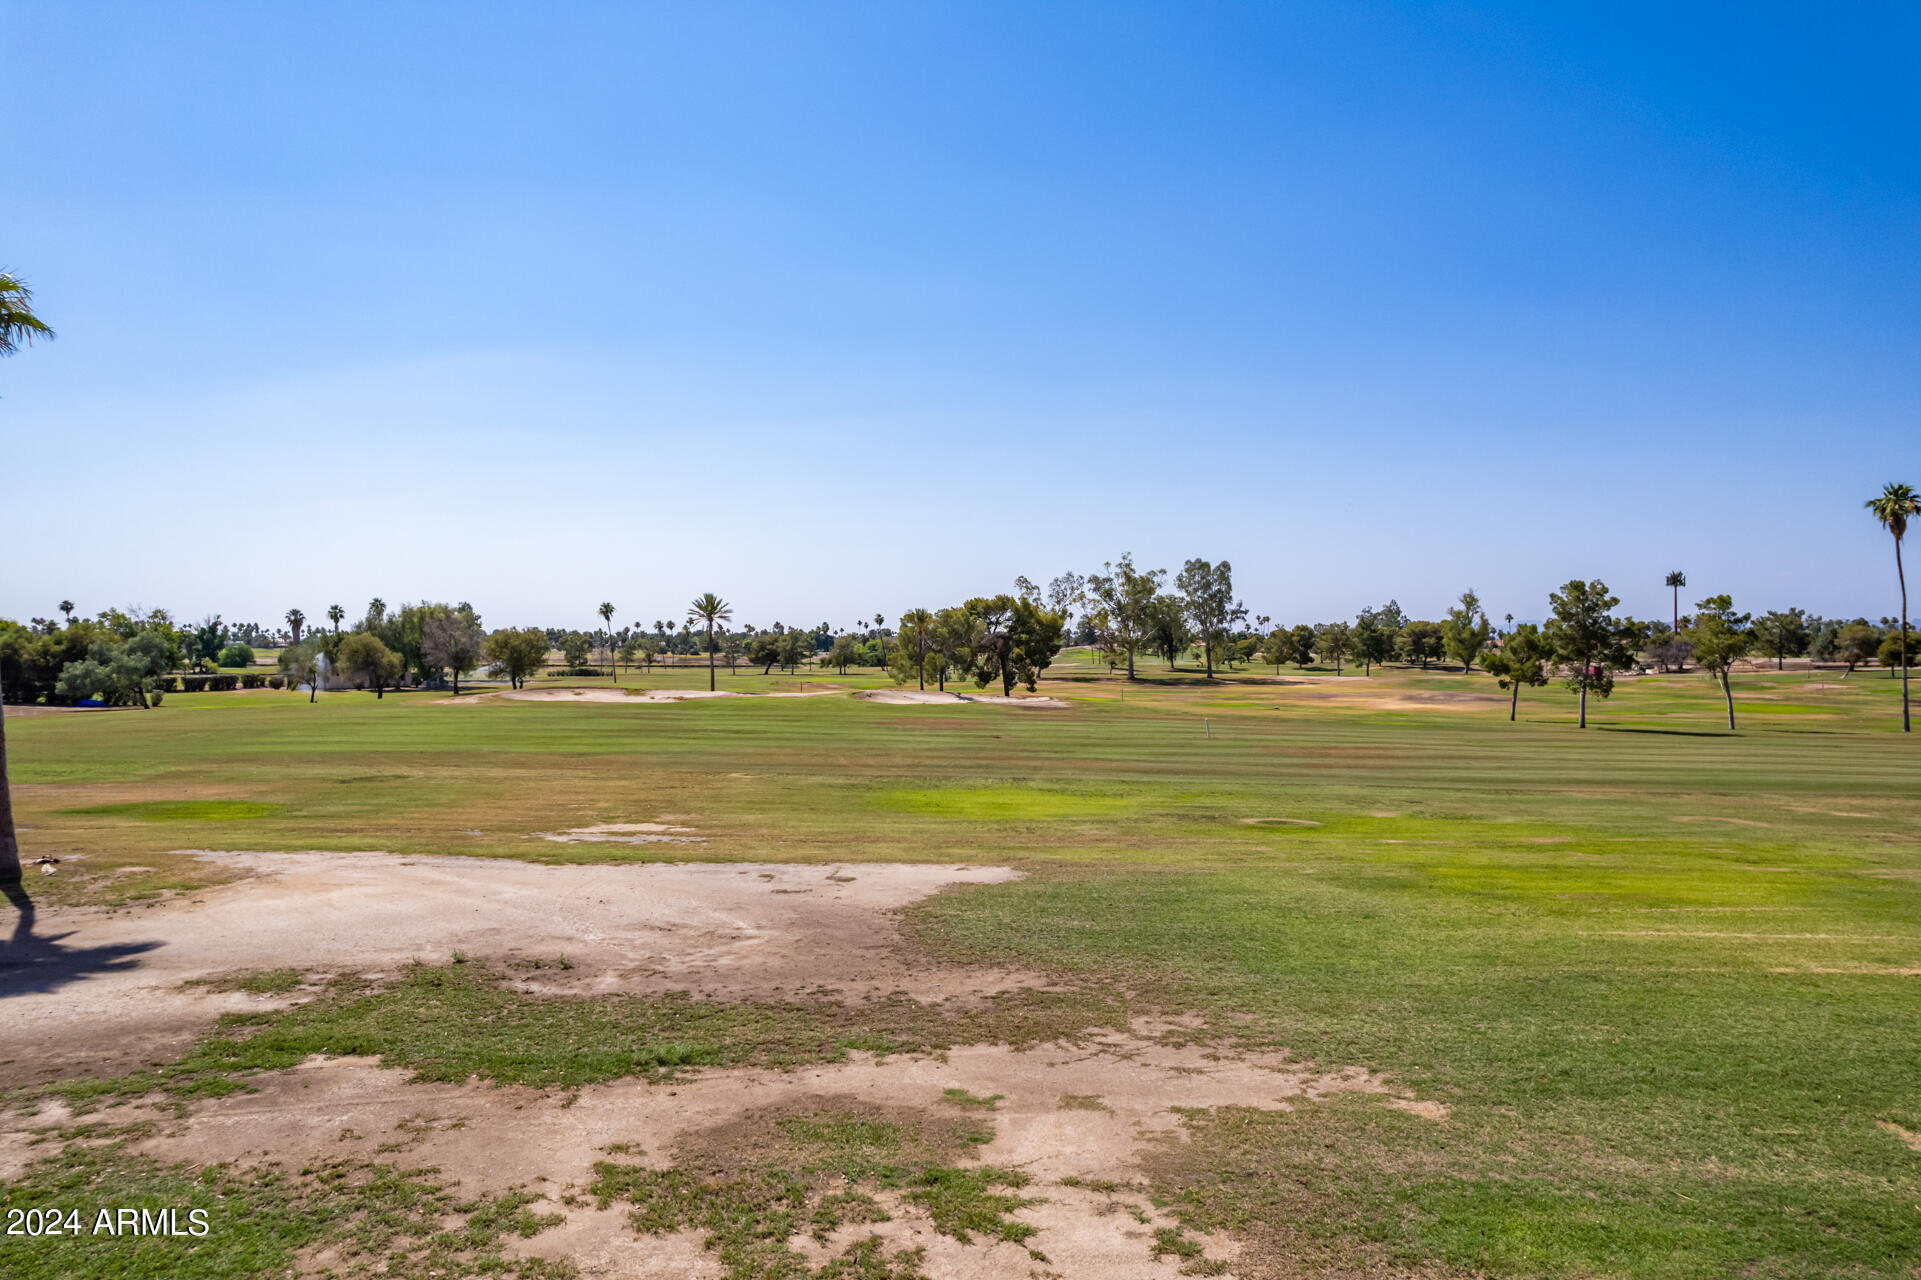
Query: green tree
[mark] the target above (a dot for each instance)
(606, 612)
(1373, 638)
(1587, 639)
(1015, 639)
(452, 639)
(1168, 636)
(19, 325)
(515, 654)
(1333, 643)
(1466, 630)
(710, 609)
(1783, 633)
(1720, 636)
(1421, 642)
(334, 615)
(843, 653)
(296, 620)
(1277, 647)
(300, 664)
(575, 648)
(1303, 638)
(917, 627)
(1894, 655)
(1125, 598)
(363, 655)
(1674, 582)
(1208, 590)
(1856, 643)
(234, 655)
(1893, 508)
(1521, 659)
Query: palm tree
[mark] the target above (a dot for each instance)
(917, 629)
(1675, 581)
(606, 612)
(334, 614)
(1896, 503)
(18, 328)
(295, 621)
(709, 608)
(879, 620)
(66, 607)
(18, 325)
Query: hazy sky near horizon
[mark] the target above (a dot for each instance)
(836, 309)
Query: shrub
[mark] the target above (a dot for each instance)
(165, 684)
(252, 680)
(222, 684)
(194, 684)
(235, 655)
(154, 696)
(276, 682)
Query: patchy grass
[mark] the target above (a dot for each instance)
(1658, 972)
(456, 1021)
(969, 1102)
(178, 810)
(754, 1183)
(260, 1222)
(259, 982)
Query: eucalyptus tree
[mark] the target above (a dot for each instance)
(1208, 590)
(1895, 504)
(1373, 636)
(1720, 635)
(1066, 594)
(1587, 639)
(1168, 633)
(1521, 659)
(709, 609)
(451, 638)
(1125, 597)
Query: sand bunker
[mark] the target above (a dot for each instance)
(100, 990)
(624, 833)
(605, 693)
(931, 697)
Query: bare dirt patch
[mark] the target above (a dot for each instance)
(1080, 1161)
(606, 693)
(97, 991)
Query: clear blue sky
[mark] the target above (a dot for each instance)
(842, 308)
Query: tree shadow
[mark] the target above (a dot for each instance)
(35, 965)
(1677, 733)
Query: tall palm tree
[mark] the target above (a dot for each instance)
(880, 620)
(334, 614)
(917, 629)
(709, 608)
(1896, 503)
(19, 326)
(295, 621)
(66, 607)
(606, 612)
(1675, 581)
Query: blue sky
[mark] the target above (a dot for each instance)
(843, 308)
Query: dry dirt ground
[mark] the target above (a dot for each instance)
(103, 990)
(604, 693)
(934, 697)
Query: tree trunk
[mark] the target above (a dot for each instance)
(1207, 651)
(710, 658)
(9, 846)
(1130, 662)
(1514, 703)
(1899, 572)
(1583, 723)
(1728, 691)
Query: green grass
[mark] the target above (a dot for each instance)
(373, 1219)
(1660, 973)
(457, 1021)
